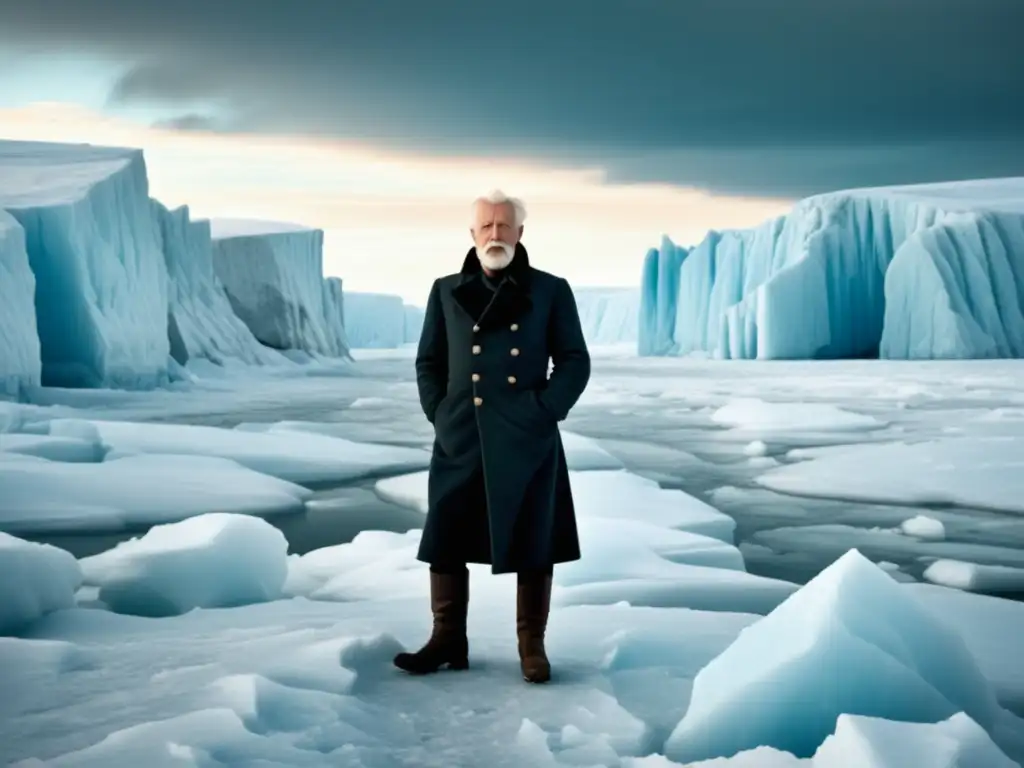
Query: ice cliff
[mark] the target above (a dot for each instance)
(102, 286)
(273, 275)
(20, 364)
(608, 315)
(381, 321)
(200, 322)
(95, 250)
(917, 272)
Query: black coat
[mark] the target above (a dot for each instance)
(499, 484)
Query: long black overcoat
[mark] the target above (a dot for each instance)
(499, 488)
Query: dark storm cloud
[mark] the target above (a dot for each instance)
(770, 96)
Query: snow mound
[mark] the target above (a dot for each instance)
(273, 276)
(94, 247)
(380, 321)
(201, 323)
(20, 362)
(46, 496)
(889, 656)
(208, 561)
(923, 271)
(984, 472)
(608, 315)
(757, 415)
(36, 579)
(924, 527)
(298, 457)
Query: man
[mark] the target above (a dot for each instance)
(499, 484)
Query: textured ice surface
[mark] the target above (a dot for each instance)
(380, 320)
(334, 312)
(871, 742)
(985, 472)
(757, 415)
(201, 323)
(975, 577)
(20, 363)
(48, 496)
(885, 656)
(209, 561)
(925, 271)
(273, 275)
(608, 315)
(299, 457)
(95, 249)
(34, 580)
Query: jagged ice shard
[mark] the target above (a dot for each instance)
(914, 272)
(101, 288)
(608, 315)
(273, 275)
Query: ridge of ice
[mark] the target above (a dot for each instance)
(273, 276)
(914, 272)
(892, 659)
(20, 362)
(94, 247)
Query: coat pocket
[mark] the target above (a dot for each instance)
(525, 412)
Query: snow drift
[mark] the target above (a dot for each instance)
(913, 272)
(200, 321)
(273, 275)
(20, 364)
(38, 579)
(381, 321)
(94, 247)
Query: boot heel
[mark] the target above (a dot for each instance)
(458, 664)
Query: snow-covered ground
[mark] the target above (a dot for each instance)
(718, 605)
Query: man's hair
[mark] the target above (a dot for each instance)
(497, 197)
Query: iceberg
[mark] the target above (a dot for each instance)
(200, 320)
(381, 321)
(608, 315)
(927, 271)
(885, 654)
(94, 247)
(20, 362)
(273, 275)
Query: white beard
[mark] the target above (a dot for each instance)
(495, 261)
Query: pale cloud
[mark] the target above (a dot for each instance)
(395, 221)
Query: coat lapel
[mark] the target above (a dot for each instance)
(509, 303)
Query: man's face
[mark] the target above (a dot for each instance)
(495, 234)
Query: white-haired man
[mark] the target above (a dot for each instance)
(499, 489)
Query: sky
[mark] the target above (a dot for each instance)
(616, 120)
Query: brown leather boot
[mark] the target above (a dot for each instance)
(448, 644)
(533, 603)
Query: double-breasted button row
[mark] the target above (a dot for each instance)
(478, 401)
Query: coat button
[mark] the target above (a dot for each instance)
(476, 349)
(511, 379)
(476, 377)
(515, 352)
(515, 326)
(476, 329)
(478, 401)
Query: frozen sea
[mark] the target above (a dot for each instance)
(218, 641)
(708, 428)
